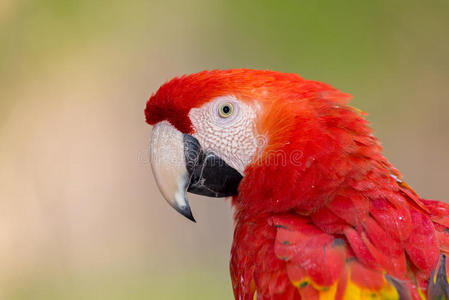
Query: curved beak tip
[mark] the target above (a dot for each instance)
(186, 212)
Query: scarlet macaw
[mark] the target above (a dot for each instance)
(320, 213)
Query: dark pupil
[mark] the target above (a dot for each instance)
(226, 109)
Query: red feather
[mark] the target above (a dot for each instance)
(337, 221)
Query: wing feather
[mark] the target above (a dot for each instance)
(322, 266)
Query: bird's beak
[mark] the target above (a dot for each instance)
(180, 165)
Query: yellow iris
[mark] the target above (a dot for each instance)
(225, 110)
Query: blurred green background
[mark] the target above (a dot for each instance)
(80, 217)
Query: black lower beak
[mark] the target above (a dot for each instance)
(209, 175)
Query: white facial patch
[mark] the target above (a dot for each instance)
(232, 138)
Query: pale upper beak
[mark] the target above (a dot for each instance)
(169, 167)
(180, 165)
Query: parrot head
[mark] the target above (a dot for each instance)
(234, 132)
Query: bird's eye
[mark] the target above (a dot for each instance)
(225, 110)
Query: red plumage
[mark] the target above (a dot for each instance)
(336, 219)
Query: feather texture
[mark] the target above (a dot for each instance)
(336, 221)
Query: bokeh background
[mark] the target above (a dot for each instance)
(80, 217)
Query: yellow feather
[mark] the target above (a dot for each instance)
(421, 294)
(354, 292)
(329, 294)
